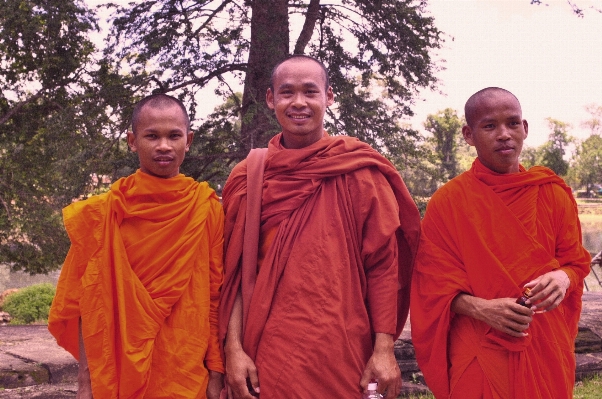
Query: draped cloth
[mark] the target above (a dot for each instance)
(488, 234)
(144, 273)
(343, 231)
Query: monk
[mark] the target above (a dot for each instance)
(316, 311)
(486, 236)
(137, 299)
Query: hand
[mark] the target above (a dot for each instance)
(548, 290)
(505, 315)
(216, 384)
(382, 367)
(239, 367)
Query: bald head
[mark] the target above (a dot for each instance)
(472, 107)
(300, 57)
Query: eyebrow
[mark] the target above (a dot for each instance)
(307, 85)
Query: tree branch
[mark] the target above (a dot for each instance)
(313, 12)
(18, 107)
(216, 73)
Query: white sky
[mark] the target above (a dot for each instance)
(547, 56)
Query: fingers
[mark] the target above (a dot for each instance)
(391, 390)
(549, 290)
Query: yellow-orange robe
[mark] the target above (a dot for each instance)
(337, 214)
(488, 234)
(144, 273)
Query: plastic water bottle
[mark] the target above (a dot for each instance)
(371, 393)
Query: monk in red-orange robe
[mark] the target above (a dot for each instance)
(485, 236)
(337, 239)
(144, 272)
(489, 234)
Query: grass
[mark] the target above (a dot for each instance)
(589, 388)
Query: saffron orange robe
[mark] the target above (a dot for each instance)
(144, 273)
(488, 234)
(342, 232)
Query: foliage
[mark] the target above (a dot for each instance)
(446, 128)
(378, 53)
(552, 153)
(586, 169)
(30, 304)
(56, 125)
(589, 388)
(576, 6)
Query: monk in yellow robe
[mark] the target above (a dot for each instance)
(137, 299)
(317, 310)
(486, 236)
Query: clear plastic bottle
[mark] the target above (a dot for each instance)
(371, 393)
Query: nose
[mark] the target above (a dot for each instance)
(503, 133)
(298, 100)
(163, 145)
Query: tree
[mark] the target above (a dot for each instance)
(378, 53)
(595, 123)
(446, 128)
(586, 170)
(55, 125)
(552, 152)
(576, 6)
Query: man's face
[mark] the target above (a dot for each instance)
(300, 100)
(161, 140)
(498, 132)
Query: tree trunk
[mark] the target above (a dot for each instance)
(269, 45)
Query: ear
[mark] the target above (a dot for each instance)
(132, 141)
(467, 133)
(269, 98)
(329, 97)
(189, 138)
(526, 126)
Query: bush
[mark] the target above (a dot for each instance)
(30, 304)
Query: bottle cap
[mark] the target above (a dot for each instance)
(372, 386)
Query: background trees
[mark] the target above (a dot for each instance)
(378, 53)
(55, 125)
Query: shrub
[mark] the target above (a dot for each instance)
(30, 304)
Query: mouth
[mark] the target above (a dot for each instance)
(505, 149)
(299, 117)
(163, 160)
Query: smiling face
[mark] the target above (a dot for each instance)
(161, 140)
(300, 99)
(497, 130)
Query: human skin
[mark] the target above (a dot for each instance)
(161, 140)
(299, 99)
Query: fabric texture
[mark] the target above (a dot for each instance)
(488, 234)
(144, 273)
(342, 232)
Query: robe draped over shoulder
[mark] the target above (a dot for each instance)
(144, 273)
(343, 231)
(488, 234)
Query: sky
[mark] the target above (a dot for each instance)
(547, 56)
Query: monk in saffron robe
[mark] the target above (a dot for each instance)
(329, 287)
(486, 235)
(137, 299)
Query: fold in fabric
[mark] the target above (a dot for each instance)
(144, 273)
(339, 232)
(488, 234)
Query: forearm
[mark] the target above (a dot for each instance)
(468, 305)
(234, 335)
(83, 375)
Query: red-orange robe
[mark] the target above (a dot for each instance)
(144, 273)
(340, 215)
(488, 234)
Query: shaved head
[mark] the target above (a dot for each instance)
(471, 109)
(298, 57)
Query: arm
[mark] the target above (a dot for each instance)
(84, 385)
(382, 367)
(239, 366)
(502, 314)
